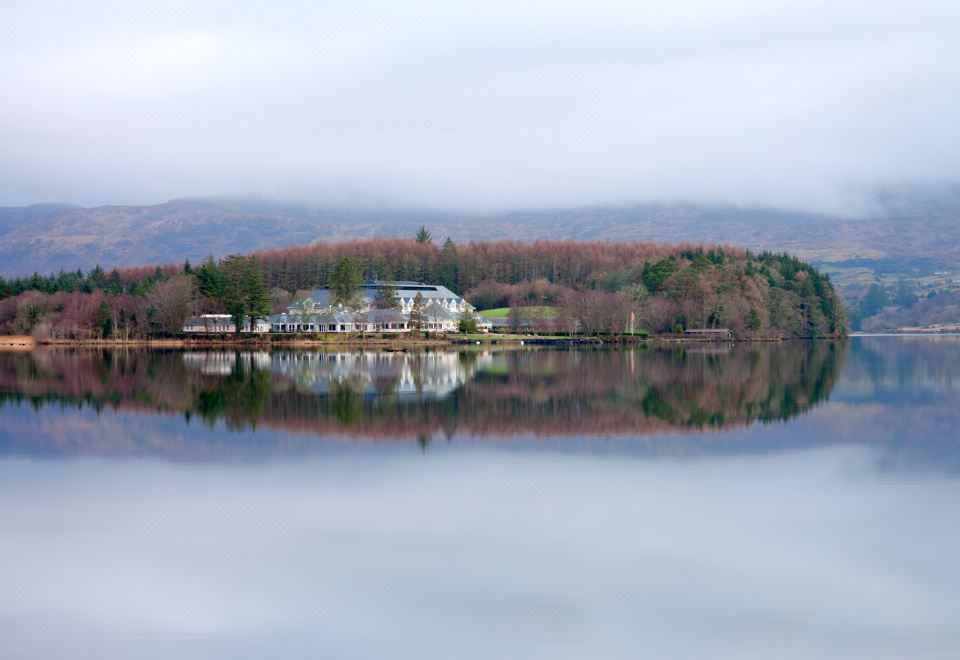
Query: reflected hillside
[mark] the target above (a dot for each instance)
(397, 395)
(898, 370)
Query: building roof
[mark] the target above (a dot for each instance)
(386, 316)
(406, 291)
(433, 311)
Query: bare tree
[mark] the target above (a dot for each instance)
(170, 302)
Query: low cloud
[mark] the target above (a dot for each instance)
(482, 106)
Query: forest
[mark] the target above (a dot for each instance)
(596, 287)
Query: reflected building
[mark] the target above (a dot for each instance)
(223, 363)
(408, 375)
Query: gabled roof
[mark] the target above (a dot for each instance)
(433, 311)
(406, 291)
(386, 316)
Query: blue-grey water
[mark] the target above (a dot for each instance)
(788, 501)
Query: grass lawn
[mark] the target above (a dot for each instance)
(504, 312)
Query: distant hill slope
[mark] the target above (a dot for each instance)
(47, 238)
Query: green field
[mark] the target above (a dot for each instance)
(504, 312)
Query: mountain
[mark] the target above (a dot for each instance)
(45, 238)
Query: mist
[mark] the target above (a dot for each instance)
(478, 106)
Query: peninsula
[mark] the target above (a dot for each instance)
(404, 289)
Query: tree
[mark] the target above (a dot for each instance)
(170, 302)
(114, 283)
(386, 298)
(256, 296)
(424, 236)
(281, 300)
(245, 292)
(104, 320)
(210, 279)
(467, 323)
(449, 265)
(345, 282)
(654, 276)
(417, 314)
(516, 316)
(873, 302)
(904, 297)
(234, 279)
(97, 278)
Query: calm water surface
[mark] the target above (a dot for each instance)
(788, 501)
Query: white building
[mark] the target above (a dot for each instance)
(317, 312)
(221, 323)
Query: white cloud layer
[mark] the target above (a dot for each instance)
(478, 106)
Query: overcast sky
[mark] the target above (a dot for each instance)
(478, 106)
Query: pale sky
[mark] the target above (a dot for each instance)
(478, 106)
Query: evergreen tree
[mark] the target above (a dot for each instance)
(234, 277)
(467, 323)
(424, 236)
(417, 314)
(211, 279)
(256, 296)
(449, 265)
(114, 283)
(386, 298)
(655, 275)
(873, 302)
(97, 278)
(104, 320)
(345, 281)
(905, 297)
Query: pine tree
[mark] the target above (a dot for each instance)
(449, 265)
(345, 281)
(424, 236)
(114, 283)
(210, 279)
(417, 314)
(386, 298)
(256, 296)
(97, 277)
(467, 323)
(104, 320)
(234, 278)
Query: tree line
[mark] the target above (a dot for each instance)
(132, 303)
(594, 286)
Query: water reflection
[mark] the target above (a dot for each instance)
(810, 515)
(419, 395)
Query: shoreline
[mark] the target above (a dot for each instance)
(387, 343)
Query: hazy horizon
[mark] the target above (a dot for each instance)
(484, 107)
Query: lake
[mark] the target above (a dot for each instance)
(794, 500)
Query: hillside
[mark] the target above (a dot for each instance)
(46, 238)
(941, 312)
(593, 286)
